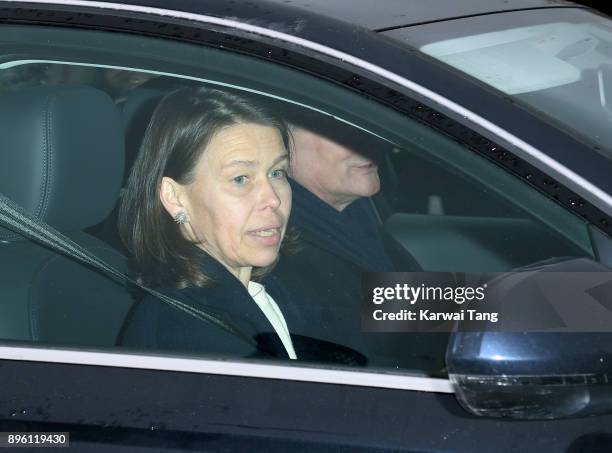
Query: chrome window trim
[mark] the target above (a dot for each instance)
(597, 196)
(293, 372)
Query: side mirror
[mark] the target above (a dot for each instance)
(546, 372)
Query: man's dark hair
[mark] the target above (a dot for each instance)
(180, 129)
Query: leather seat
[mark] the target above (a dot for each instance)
(136, 112)
(62, 160)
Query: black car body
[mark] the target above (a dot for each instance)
(117, 400)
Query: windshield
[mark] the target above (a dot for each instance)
(558, 62)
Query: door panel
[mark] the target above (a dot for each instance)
(223, 409)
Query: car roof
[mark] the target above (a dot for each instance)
(383, 15)
(386, 14)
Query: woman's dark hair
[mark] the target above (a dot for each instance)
(180, 129)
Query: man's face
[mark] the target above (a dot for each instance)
(334, 173)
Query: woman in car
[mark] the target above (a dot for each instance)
(204, 215)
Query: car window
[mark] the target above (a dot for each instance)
(486, 219)
(374, 179)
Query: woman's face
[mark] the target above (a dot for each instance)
(239, 201)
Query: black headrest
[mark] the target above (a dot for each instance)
(61, 154)
(136, 112)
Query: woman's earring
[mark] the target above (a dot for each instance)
(180, 218)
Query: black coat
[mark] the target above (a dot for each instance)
(324, 275)
(156, 326)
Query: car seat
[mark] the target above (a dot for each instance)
(62, 160)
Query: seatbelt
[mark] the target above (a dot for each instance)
(16, 219)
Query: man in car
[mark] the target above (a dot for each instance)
(340, 237)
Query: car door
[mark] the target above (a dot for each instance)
(452, 205)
